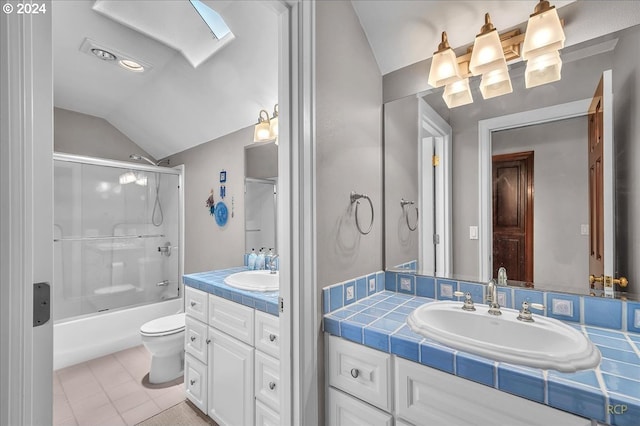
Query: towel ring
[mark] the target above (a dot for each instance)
(355, 198)
(403, 204)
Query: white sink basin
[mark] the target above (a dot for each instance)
(254, 280)
(545, 343)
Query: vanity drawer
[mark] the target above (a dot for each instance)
(265, 416)
(345, 410)
(233, 318)
(196, 339)
(196, 303)
(360, 371)
(267, 380)
(195, 382)
(267, 334)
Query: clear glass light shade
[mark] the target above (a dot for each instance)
(457, 93)
(444, 68)
(487, 54)
(543, 69)
(495, 83)
(273, 128)
(544, 34)
(262, 132)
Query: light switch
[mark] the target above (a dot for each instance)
(350, 292)
(584, 229)
(372, 285)
(473, 232)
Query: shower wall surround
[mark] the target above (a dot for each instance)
(610, 393)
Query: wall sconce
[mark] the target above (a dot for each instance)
(489, 55)
(266, 129)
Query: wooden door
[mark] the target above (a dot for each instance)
(513, 215)
(596, 200)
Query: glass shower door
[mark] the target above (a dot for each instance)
(116, 232)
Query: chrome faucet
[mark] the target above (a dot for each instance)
(492, 298)
(272, 263)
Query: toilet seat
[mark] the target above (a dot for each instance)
(164, 326)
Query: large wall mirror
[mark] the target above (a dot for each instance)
(260, 196)
(558, 188)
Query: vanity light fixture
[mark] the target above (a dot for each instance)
(544, 38)
(262, 131)
(266, 130)
(489, 55)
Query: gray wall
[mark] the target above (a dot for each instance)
(626, 89)
(560, 252)
(82, 134)
(207, 245)
(261, 160)
(400, 179)
(349, 144)
(348, 153)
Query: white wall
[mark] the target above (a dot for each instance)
(560, 252)
(82, 134)
(207, 245)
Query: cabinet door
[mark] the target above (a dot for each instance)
(195, 382)
(268, 380)
(428, 396)
(345, 410)
(231, 397)
(265, 416)
(196, 338)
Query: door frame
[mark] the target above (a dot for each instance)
(485, 129)
(434, 136)
(26, 216)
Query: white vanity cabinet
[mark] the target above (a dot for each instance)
(231, 365)
(370, 387)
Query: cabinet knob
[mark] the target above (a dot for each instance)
(272, 337)
(272, 385)
(355, 373)
(193, 338)
(208, 341)
(193, 382)
(193, 304)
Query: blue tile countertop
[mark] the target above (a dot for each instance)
(213, 282)
(609, 393)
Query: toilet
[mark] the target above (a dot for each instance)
(164, 338)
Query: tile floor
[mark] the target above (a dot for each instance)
(109, 391)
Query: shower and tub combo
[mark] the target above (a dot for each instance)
(118, 260)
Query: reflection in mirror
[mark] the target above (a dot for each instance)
(554, 267)
(260, 196)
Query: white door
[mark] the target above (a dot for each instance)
(231, 397)
(26, 217)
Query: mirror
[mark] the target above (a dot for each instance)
(260, 196)
(583, 65)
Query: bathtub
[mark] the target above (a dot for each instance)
(88, 337)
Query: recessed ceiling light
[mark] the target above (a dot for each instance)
(131, 65)
(103, 54)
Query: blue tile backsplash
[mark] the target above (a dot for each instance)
(610, 393)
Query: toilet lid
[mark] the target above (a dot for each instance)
(165, 325)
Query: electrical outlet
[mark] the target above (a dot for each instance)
(562, 307)
(473, 232)
(405, 284)
(372, 285)
(350, 292)
(502, 298)
(446, 290)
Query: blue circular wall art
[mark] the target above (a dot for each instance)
(221, 213)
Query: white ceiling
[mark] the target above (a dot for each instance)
(174, 106)
(403, 32)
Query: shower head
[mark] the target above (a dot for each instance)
(142, 157)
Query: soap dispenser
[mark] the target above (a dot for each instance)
(502, 276)
(260, 262)
(251, 263)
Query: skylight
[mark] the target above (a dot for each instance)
(212, 18)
